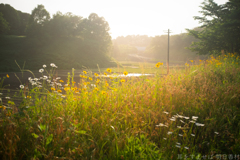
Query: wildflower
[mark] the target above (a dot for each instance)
(182, 121)
(192, 121)
(85, 72)
(74, 99)
(86, 93)
(194, 118)
(165, 138)
(53, 89)
(81, 76)
(52, 64)
(160, 125)
(29, 97)
(109, 70)
(125, 73)
(96, 74)
(7, 76)
(59, 91)
(106, 84)
(178, 146)
(193, 135)
(180, 116)
(173, 119)
(21, 86)
(96, 89)
(1, 94)
(41, 70)
(7, 97)
(186, 147)
(178, 143)
(186, 117)
(157, 65)
(165, 112)
(110, 77)
(180, 135)
(216, 132)
(122, 80)
(44, 66)
(191, 61)
(103, 92)
(169, 133)
(105, 73)
(199, 124)
(90, 78)
(93, 85)
(63, 96)
(178, 126)
(61, 81)
(186, 64)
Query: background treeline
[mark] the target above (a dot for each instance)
(12, 22)
(68, 40)
(155, 47)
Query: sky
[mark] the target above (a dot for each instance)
(127, 17)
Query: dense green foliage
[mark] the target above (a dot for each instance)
(63, 39)
(190, 112)
(220, 28)
(17, 20)
(69, 52)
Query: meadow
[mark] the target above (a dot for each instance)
(190, 113)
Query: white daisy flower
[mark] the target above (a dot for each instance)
(199, 124)
(21, 86)
(41, 70)
(44, 66)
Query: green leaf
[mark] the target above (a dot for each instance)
(49, 139)
(34, 135)
(81, 132)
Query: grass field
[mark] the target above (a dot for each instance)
(193, 111)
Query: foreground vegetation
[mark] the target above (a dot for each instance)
(193, 112)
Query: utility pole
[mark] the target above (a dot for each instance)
(168, 52)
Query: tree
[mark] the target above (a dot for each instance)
(65, 25)
(12, 17)
(37, 21)
(3, 25)
(220, 28)
(96, 32)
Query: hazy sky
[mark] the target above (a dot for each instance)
(127, 17)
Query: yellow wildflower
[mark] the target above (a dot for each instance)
(53, 89)
(125, 73)
(59, 91)
(122, 80)
(105, 73)
(103, 92)
(61, 81)
(96, 74)
(7, 76)
(90, 78)
(109, 70)
(85, 72)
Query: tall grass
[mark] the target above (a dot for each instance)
(194, 111)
